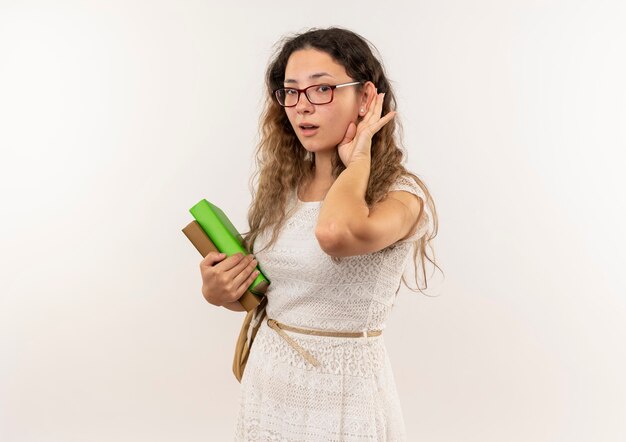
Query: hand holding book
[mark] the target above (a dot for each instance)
(226, 279)
(212, 231)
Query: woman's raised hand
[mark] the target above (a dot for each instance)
(225, 280)
(357, 142)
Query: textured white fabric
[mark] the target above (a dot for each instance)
(352, 395)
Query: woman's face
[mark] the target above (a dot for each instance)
(307, 67)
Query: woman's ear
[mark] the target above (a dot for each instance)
(367, 97)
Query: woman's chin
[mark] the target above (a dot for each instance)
(316, 146)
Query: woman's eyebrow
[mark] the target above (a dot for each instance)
(312, 76)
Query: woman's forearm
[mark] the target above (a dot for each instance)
(344, 205)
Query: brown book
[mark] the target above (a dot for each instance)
(204, 245)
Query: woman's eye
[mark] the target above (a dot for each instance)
(290, 91)
(323, 88)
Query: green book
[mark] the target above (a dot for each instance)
(225, 236)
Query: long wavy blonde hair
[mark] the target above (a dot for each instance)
(282, 163)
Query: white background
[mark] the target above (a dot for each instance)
(116, 117)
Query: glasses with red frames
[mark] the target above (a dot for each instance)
(316, 94)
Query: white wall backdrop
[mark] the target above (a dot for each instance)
(116, 117)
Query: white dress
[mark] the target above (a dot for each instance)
(351, 395)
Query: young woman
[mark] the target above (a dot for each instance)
(333, 223)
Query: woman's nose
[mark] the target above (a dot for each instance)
(303, 103)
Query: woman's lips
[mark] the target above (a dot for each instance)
(307, 132)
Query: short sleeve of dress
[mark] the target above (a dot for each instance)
(425, 224)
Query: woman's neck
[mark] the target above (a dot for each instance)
(323, 167)
(314, 189)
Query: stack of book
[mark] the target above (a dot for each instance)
(212, 231)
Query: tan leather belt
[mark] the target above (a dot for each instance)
(279, 327)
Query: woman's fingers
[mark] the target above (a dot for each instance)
(372, 118)
(246, 283)
(243, 272)
(227, 280)
(232, 261)
(384, 120)
(379, 104)
(367, 127)
(211, 259)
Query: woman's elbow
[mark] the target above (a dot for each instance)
(332, 239)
